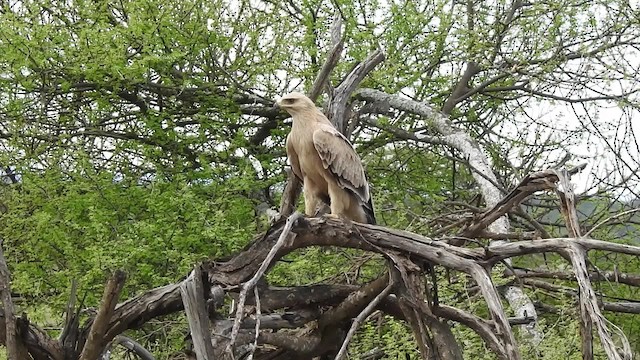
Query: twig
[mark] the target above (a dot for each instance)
(291, 220)
(609, 219)
(362, 316)
(257, 328)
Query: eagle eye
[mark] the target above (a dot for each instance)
(288, 101)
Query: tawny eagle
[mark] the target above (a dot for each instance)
(326, 162)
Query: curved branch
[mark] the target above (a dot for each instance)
(133, 346)
(337, 112)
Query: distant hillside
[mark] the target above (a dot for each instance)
(591, 212)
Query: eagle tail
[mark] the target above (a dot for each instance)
(368, 211)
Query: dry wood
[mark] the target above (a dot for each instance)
(15, 347)
(568, 210)
(254, 346)
(290, 194)
(481, 326)
(542, 180)
(354, 303)
(195, 308)
(361, 318)
(337, 112)
(98, 339)
(589, 309)
(609, 276)
(284, 236)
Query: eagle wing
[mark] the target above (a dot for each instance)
(342, 161)
(293, 158)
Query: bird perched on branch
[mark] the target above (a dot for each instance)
(326, 162)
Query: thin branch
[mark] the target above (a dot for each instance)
(361, 318)
(284, 236)
(609, 219)
(257, 327)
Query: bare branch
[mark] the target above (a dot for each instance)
(133, 346)
(290, 194)
(192, 292)
(453, 137)
(15, 348)
(595, 227)
(284, 236)
(543, 180)
(610, 276)
(479, 325)
(337, 112)
(589, 309)
(362, 317)
(337, 44)
(98, 339)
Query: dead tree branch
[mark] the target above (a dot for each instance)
(97, 339)
(133, 346)
(282, 239)
(15, 346)
(192, 292)
(362, 317)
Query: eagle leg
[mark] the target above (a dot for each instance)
(311, 202)
(340, 200)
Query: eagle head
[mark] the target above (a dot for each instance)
(295, 103)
